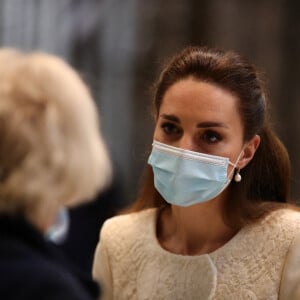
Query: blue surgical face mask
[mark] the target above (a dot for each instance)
(184, 177)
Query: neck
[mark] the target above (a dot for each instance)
(194, 230)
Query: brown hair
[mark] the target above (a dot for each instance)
(266, 178)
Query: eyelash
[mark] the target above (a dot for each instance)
(170, 128)
(209, 134)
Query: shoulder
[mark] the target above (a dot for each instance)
(276, 231)
(55, 282)
(32, 275)
(127, 224)
(285, 220)
(120, 233)
(282, 224)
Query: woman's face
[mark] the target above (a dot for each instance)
(202, 117)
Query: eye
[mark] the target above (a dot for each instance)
(170, 128)
(211, 137)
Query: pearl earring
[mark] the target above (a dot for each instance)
(237, 176)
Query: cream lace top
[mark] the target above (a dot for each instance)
(261, 261)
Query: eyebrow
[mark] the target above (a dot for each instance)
(170, 118)
(206, 124)
(211, 124)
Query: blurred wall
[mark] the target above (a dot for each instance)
(119, 46)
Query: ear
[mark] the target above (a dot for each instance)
(249, 151)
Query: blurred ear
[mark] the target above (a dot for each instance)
(249, 151)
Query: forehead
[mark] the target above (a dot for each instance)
(198, 99)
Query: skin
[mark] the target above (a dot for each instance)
(202, 117)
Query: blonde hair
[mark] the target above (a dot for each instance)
(51, 149)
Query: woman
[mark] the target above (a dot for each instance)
(212, 220)
(51, 155)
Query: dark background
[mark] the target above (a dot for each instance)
(118, 47)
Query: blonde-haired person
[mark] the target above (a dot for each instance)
(51, 155)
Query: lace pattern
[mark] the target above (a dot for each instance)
(249, 266)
